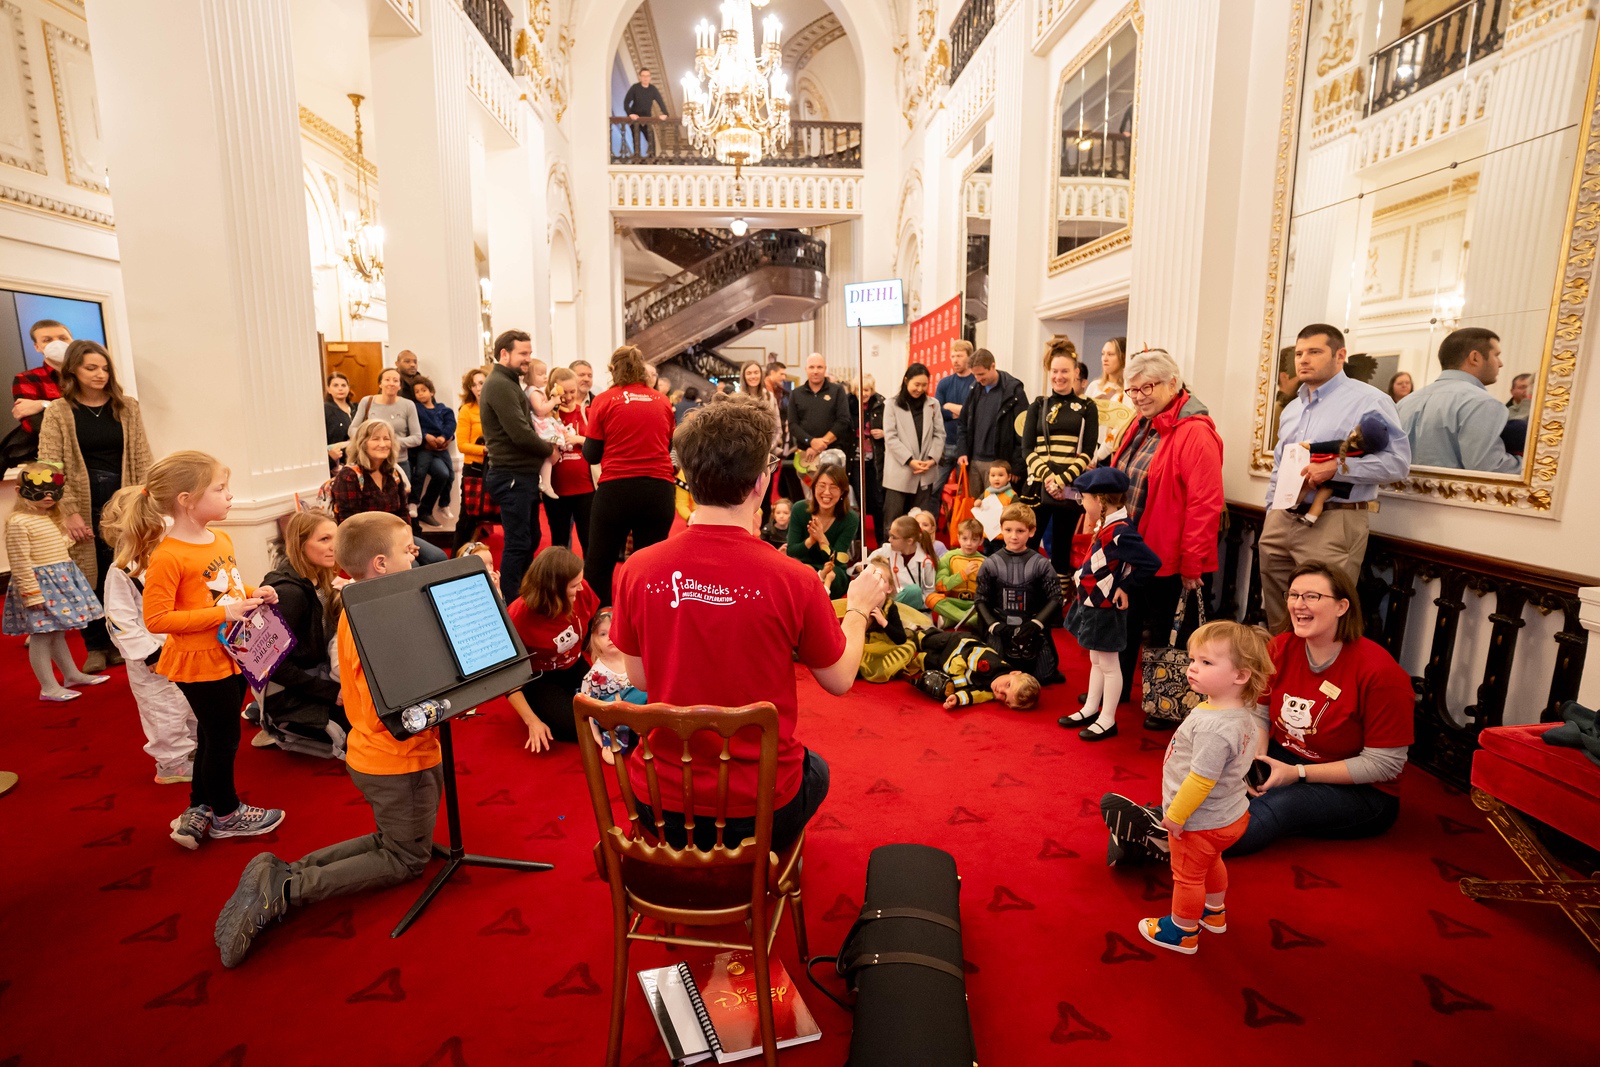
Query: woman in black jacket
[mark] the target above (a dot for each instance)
(336, 413)
(302, 696)
(1058, 437)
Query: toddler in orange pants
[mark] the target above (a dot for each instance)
(1203, 779)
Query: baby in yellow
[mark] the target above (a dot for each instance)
(400, 779)
(1202, 779)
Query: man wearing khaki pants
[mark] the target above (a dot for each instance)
(1327, 406)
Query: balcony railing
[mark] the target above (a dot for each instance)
(493, 20)
(1437, 49)
(1096, 155)
(972, 24)
(782, 248)
(665, 142)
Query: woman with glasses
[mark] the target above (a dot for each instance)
(913, 442)
(1335, 735)
(823, 529)
(1172, 455)
(370, 481)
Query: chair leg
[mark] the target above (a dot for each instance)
(797, 916)
(1550, 884)
(619, 979)
(769, 1033)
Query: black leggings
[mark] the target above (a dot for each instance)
(550, 695)
(1063, 524)
(103, 485)
(643, 507)
(216, 711)
(566, 513)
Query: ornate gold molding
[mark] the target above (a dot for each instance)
(336, 139)
(1536, 491)
(33, 157)
(544, 56)
(1463, 186)
(56, 38)
(1339, 39)
(1131, 15)
(22, 198)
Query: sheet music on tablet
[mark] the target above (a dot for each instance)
(472, 623)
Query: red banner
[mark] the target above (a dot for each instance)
(931, 336)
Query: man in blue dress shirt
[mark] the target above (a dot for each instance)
(1453, 421)
(1327, 407)
(951, 394)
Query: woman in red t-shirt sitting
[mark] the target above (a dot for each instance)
(571, 476)
(630, 436)
(552, 613)
(1339, 722)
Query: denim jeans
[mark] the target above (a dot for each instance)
(1315, 809)
(518, 497)
(436, 469)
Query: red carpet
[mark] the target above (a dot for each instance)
(1358, 953)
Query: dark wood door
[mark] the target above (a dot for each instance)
(360, 361)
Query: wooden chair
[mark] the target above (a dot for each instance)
(689, 887)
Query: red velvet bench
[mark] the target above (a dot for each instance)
(1560, 787)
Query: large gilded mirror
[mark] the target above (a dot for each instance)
(1095, 113)
(1430, 183)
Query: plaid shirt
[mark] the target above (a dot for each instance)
(41, 383)
(354, 491)
(1135, 463)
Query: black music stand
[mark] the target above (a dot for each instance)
(408, 656)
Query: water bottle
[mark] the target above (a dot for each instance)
(419, 717)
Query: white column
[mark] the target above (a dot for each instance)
(1020, 130)
(516, 230)
(1521, 202)
(837, 342)
(420, 117)
(211, 230)
(1185, 185)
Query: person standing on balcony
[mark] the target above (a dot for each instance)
(642, 96)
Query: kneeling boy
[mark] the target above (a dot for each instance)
(1019, 598)
(400, 779)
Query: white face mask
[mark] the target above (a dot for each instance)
(55, 353)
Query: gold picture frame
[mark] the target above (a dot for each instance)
(1132, 14)
(1536, 491)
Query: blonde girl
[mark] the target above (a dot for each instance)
(192, 589)
(167, 719)
(49, 594)
(910, 561)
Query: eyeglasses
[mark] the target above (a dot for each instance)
(1140, 390)
(1309, 599)
(774, 459)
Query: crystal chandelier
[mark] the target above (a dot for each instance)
(741, 111)
(362, 235)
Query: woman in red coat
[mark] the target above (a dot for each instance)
(1172, 455)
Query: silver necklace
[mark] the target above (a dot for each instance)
(95, 411)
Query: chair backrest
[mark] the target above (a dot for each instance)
(683, 724)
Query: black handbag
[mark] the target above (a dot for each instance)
(18, 447)
(902, 959)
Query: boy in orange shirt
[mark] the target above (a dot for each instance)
(400, 779)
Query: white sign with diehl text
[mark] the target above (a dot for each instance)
(875, 303)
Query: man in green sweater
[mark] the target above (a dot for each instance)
(515, 454)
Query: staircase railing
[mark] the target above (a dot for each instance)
(812, 143)
(494, 22)
(972, 24)
(1435, 50)
(782, 248)
(683, 245)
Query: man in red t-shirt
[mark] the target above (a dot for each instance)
(715, 616)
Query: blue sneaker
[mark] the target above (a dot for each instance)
(246, 821)
(1214, 919)
(1168, 934)
(190, 828)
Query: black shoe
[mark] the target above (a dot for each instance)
(1077, 719)
(1153, 723)
(1095, 732)
(262, 896)
(1133, 828)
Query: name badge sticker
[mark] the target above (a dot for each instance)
(1330, 690)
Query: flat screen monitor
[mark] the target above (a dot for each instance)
(875, 303)
(476, 630)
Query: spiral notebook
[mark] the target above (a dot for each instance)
(708, 1010)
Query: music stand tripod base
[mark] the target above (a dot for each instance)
(456, 855)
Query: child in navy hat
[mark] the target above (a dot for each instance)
(1099, 617)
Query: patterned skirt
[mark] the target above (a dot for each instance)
(476, 503)
(69, 602)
